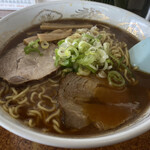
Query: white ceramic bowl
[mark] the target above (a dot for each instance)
(20, 20)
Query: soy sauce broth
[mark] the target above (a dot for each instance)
(112, 116)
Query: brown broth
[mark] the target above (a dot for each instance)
(112, 110)
(109, 115)
(121, 35)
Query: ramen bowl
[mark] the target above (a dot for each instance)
(53, 10)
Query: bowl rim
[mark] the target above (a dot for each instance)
(72, 1)
(87, 142)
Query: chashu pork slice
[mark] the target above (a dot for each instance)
(86, 100)
(17, 67)
(73, 92)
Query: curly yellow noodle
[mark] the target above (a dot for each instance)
(126, 75)
(32, 97)
(21, 93)
(54, 121)
(12, 113)
(117, 55)
(35, 86)
(6, 87)
(8, 102)
(114, 51)
(14, 90)
(40, 94)
(55, 85)
(34, 113)
(121, 51)
(57, 129)
(2, 102)
(16, 109)
(45, 130)
(31, 123)
(59, 73)
(56, 113)
(5, 108)
(23, 101)
(45, 109)
(1, 91)
(127, 57)
(48, 97)
(53, 81)
(9, 97)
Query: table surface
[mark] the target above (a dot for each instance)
(10, 141)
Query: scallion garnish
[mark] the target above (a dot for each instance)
(33, 46)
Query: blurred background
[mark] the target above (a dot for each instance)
(140, 7)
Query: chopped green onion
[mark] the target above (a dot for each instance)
(82, 52)
(61, 53)
(92, 68)
(75, 66)
(60, 42)
(75, 42)
(57, 58)
(109, 61)
(83, 46)
(66, 70)
(69, 40)
(73, 52)
(44, 44)
(120, 64)
(86, 60)
(32, 47)
(114, 58)
(106, 46)
(34, 43)
(65, 63)
(99, 36)
(88, 36)
(125, 67)
(86, 52)
(28, 50)
(83, 71)
(115, 79)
